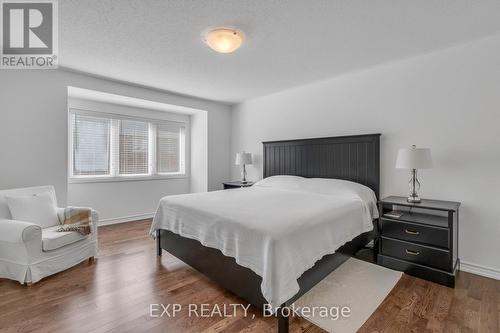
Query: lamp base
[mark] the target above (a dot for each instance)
(414, 199)
(414, 187)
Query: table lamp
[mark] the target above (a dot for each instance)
(243, 159)
(413, 159)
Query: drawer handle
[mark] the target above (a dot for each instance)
(412, 232)
(413, 253)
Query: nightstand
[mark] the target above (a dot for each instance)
(423, 242)
(236, 184)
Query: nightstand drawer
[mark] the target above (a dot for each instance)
(415, 232)
(416, 253)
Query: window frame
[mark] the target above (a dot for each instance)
(114, 175)
(182, 151)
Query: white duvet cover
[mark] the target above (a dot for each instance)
(278, 228)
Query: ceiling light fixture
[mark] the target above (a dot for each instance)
(224, 40)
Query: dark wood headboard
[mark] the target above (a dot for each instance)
(355, 158)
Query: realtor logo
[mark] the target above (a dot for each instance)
(29, 34)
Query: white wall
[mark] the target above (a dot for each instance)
(447, 100)
(33, 132)
(219, 155)
(121, 201)
(199, 154)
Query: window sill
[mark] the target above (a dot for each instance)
(78, 180)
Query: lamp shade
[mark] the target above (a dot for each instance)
(414, 158)
(243, 158)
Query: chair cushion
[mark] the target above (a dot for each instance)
(52, 239)
(39, 209)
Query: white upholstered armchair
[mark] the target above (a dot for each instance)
(30, 251)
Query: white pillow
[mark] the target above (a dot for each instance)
(325, 186)
(39, 209)
(282, 182)
(341, 187)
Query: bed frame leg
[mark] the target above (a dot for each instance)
(158, 244)
(282, 322)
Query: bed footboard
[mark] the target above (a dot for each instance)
(243, 281)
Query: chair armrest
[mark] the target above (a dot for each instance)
(14, 231)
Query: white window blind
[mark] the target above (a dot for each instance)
(114, 146)
(91, 145)
(168, 148)
(134, 148)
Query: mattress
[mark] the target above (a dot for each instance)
(278, 228)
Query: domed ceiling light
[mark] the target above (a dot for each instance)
(224, 40)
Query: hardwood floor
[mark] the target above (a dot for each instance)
(114, 293)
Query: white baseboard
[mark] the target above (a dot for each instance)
(124, 219)
(480, 270)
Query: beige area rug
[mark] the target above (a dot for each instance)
(356, 284)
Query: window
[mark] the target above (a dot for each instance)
(169, 147)
(113, 147)
(134, 148)
(91, 145)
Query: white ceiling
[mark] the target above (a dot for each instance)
(158, 43)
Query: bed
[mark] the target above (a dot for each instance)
(272, 242)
